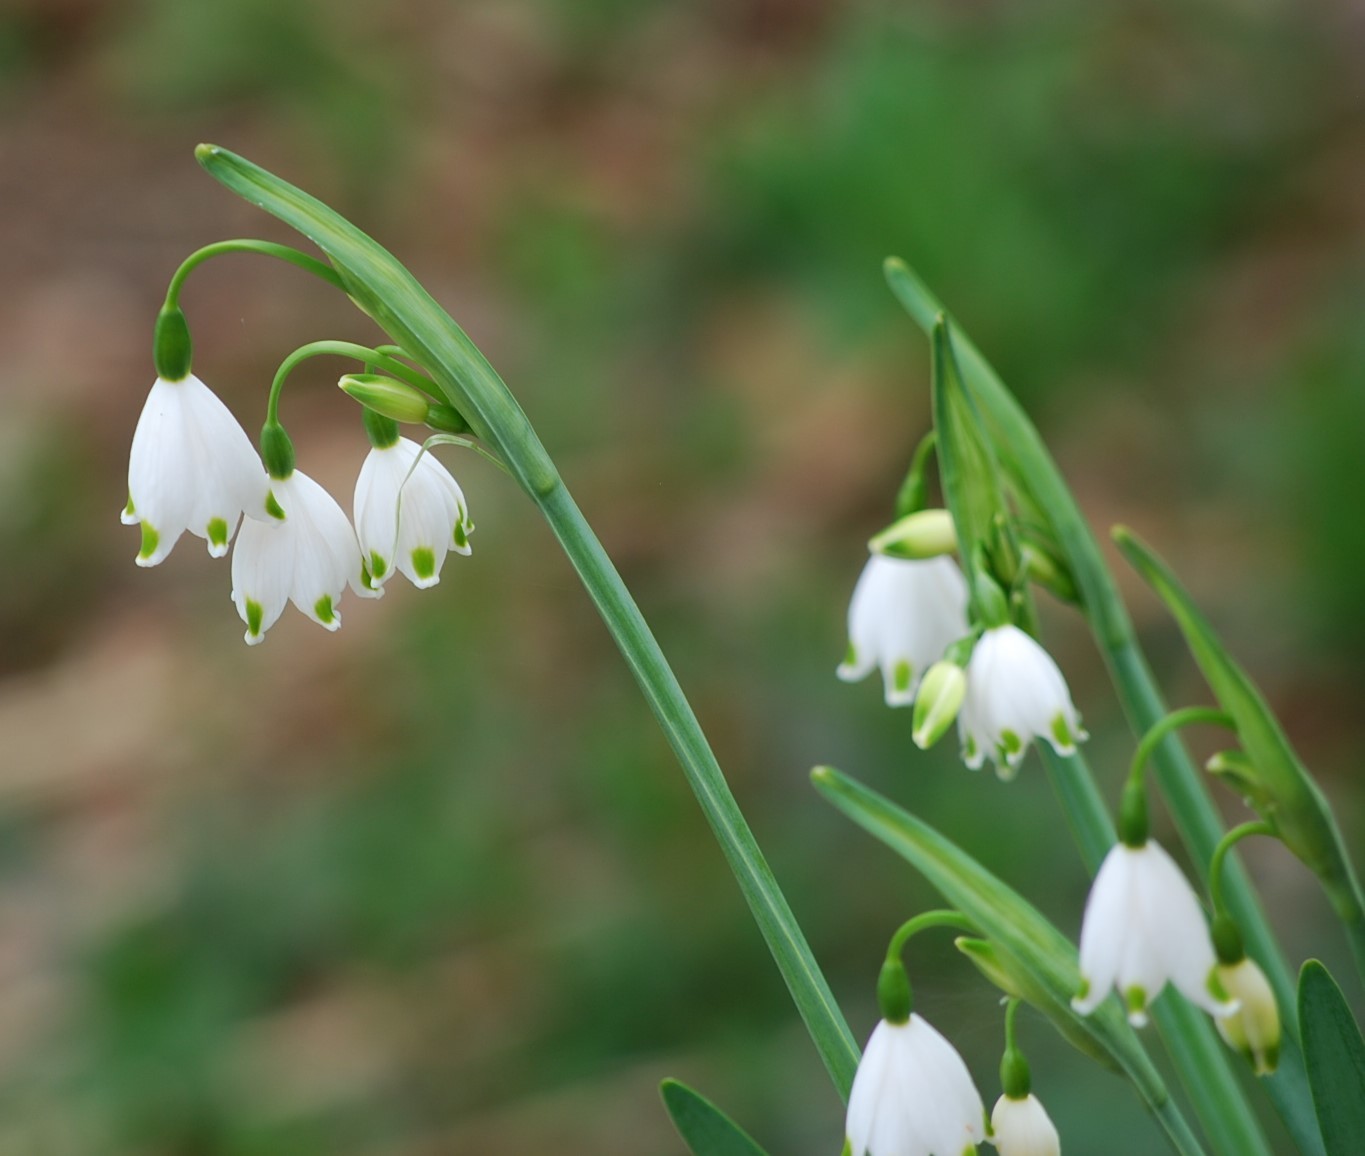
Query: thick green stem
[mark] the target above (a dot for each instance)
(1190, 804)
(774, 917)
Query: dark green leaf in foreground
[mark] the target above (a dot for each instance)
(1335, 1056)
(706, 1130)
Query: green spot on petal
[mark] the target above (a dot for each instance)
(1010, 742)
(218, 531)
(423, 562)
(323, 609)
(969, 747)
(901, 674)
(273, 507)
(1084, 989)
(128, 509)
(1062, 732)
(378, 566)
(150, 540)
(461, 535)
(1136, 999)
(1215, 987)
(254, 616)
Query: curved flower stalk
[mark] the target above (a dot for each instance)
(308, 557)
(903, 615)
(409, 513)
(1015, 693)
(191, 467)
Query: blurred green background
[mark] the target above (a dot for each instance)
(434, 884)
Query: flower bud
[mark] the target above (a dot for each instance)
(388, 396)
(940, 698)
(1254, 1029)
(924, 534)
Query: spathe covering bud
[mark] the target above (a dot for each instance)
(923, 534)
(1271, 776)
(388, 396)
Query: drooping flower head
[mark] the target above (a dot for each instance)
(409, 513)
(191, 467)
(902, 617)
(1254, 1028)
(1015, 693)
(913, 1096)
(1143, 927)
(307, 557)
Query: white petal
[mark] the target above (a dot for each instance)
(326, 551)
(1023, 1128)
(902, 617)
(1175, 923)
(1105, 928)
(951, 1114)
(262, 574)
(191, 466)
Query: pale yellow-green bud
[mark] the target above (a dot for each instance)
(1254, 1028)
(924, 534)
(939, 699)
(388, 396)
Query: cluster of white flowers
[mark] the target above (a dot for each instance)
(192, 467)
(902, 618)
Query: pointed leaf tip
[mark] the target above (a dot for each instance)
(705, 1129)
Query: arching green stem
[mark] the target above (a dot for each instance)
(1186, 716)
(924, 921)
(1226, 844)
(244, 245)
(366, 356)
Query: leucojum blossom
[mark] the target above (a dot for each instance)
(192, 467)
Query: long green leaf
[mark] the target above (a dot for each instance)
(384, 289)
(705, 1129)
(1038, 481)
(1287, 795)
(1014, 925)
(1335, 1056)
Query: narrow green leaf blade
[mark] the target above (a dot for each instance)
(705, 1129)
(1287, 795)
(1335, 1056)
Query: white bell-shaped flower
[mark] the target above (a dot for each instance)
(1015, 693)
(903, 616)
(1022, 1127)
(1143, 927)
(191, 467)
(913, 1096)
(308, 558)
(409, 512)
(1254, 1029)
